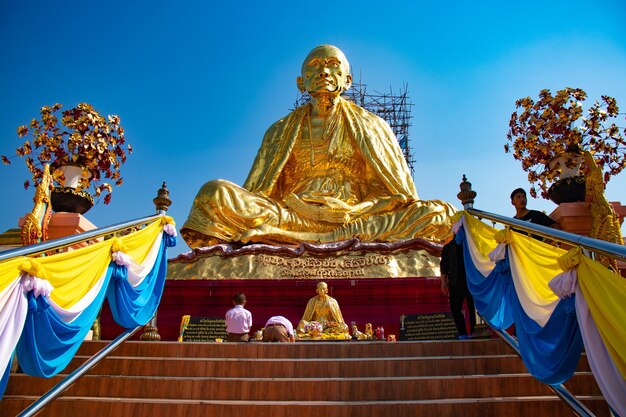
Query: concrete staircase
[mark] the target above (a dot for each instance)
(439, 378)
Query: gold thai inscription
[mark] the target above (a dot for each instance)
(351, 267)
(346, 265)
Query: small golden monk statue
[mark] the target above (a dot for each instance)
(322, 318)
(329, 171)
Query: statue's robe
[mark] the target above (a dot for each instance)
(322, 311)
(358, 160)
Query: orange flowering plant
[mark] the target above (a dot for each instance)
(81, 137)
(555, 126)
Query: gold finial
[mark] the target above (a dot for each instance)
(162, 200)
(150, 333)
(466, 195)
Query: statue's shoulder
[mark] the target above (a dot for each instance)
(362, 112)
(287, 120)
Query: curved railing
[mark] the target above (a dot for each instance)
(112, 231)
(588, 245)
(67, 241)
(601, 247)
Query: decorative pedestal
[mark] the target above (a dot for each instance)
(374, 283)
(66, 224)
(349, 259)
(576, 218)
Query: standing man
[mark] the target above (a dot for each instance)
(238, 320)
(518, 199)
(278, 329)
(454, 285)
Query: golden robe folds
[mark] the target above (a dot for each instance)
(353, 181)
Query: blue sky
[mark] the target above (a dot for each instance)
(197, 84)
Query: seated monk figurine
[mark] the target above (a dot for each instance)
(324, 310)
(329, 171)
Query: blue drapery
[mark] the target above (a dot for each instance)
(5, 377)
(551, 353)
(132, 307)
(48, 344)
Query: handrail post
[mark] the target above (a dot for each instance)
(466, 195)
(161, 202)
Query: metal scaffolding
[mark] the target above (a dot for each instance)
(394, 108)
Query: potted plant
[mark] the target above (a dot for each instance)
(84, 149)
(549, 135)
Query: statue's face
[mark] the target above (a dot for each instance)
(322, 289)
(325, 71)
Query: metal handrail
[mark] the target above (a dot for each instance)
(73, 239)
(601, 247)
(39, 248)
(65, 383)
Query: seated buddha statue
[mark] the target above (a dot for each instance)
(328, 171)
(322, 318)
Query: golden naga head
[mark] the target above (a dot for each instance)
(325, 71)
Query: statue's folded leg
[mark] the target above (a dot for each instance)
(425, 219)
(222, 211)
(268, 233)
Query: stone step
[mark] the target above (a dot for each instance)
(310, 367)
(474, 377)
(303, 389)
(536, 406)
(304, 349)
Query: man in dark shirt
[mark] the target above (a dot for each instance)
(454, 284)
(518, 199)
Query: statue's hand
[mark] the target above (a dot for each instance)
(385, 204)
(320, 209)
(325, 199)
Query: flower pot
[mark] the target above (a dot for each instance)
(568, 190)
(72, 175)
(70, 200)
(67, 197)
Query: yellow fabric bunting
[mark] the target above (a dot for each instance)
(33, 267)
(9, 271)
(74, 273)
(167, 220)
(570, 260)
(457, 216)
(483, 235)
(118, 245)
(538, 262)
(605, 292)
(503, 236)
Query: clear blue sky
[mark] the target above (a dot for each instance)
(197, 83)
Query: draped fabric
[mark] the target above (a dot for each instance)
(48, 305)
(559, 302)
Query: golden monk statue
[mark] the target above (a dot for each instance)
(328, 171)
(322, 317)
